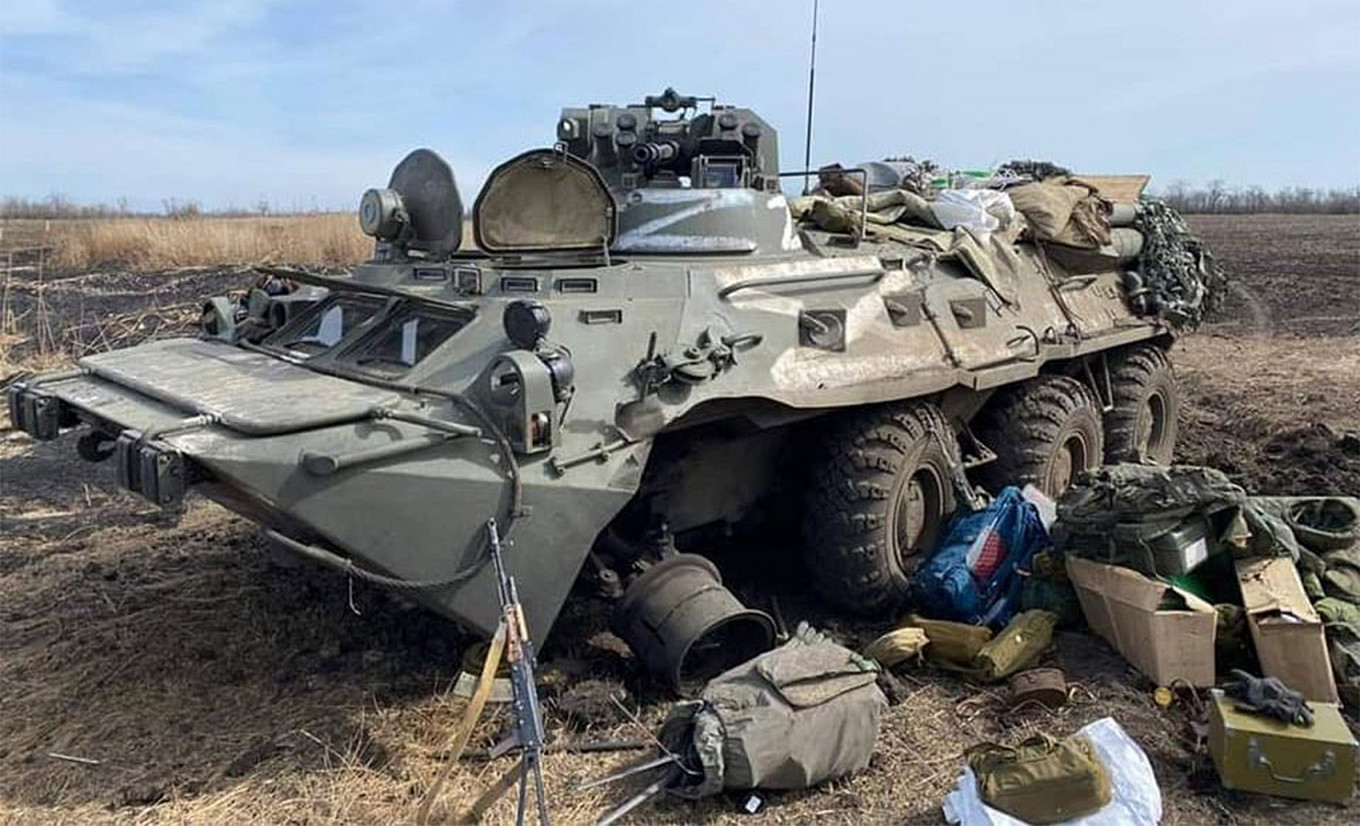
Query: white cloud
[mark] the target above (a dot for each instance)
(100, 151)
(234, 100)
(112, 39)
(26, 17)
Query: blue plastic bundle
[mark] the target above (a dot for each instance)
(974, 576)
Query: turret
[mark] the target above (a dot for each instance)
(674, 174)
(668, 141)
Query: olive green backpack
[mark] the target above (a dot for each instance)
(1042, 780)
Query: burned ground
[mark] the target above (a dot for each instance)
(214, 685)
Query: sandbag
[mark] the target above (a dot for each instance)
(1016, 647)
(898, 646)
(1047, 207)
(1064, 211)
(792, 718)
(951, 642)
(973, 577)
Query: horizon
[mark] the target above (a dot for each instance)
(305, 105)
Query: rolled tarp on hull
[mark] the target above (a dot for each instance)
(1126, 244)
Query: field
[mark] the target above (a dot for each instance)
(214, 685)
(320, 239)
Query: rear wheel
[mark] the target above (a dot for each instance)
(1044, 432)
(1142, 426)
(880, 495)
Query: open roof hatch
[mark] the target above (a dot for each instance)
(544, 200)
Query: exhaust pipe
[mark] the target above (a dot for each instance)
(685, 626)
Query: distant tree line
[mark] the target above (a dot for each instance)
(59, 206)
(1214, 197)
(1219, 198)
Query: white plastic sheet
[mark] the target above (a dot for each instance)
(980, 210)
(1136, 800)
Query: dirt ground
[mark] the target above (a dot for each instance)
(214, 685)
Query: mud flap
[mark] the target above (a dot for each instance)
(156, 471)
(35, 412)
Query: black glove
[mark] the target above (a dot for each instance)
(1267, 696)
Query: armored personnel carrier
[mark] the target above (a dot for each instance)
(648, 342)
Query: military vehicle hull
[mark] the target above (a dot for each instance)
(626, 356)
(420, 516)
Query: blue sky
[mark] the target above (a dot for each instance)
(307, 103)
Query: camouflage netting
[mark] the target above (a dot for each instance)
(1037, 170)
(1183, 277)
(917, 175)
(1177, 278)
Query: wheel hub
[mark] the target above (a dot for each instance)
(1069, 459)
(917, 516)
(1151, 426)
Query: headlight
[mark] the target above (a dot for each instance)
(526, 322)
(382, 214)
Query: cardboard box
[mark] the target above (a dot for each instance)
(1290, 641)
(1261, 754)
(1122, 606)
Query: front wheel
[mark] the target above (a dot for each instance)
(880, 495)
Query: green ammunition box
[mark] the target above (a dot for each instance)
(1261, 754)
(1181, 549)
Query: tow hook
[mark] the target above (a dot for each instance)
(95, 446)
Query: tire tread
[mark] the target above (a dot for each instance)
(1133, 374)
(845, 523)
(1023, 424)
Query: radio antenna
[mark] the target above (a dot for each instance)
(812, 77)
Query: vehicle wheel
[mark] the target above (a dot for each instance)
(1143, 424)
(881, 492)
(1044, 431)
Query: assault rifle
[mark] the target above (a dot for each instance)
(512, 637)
(519, 652)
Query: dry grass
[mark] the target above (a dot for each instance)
(331, 239)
